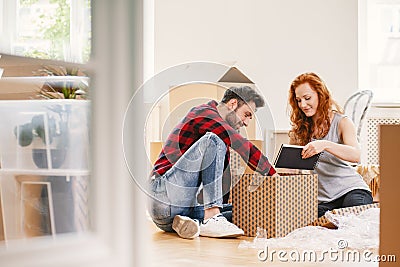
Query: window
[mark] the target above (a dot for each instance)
(47, 29)
(379, 44)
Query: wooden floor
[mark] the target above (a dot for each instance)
(170, 250)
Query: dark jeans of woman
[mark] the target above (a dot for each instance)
(355, 197)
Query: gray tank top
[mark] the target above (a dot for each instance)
(335, 176)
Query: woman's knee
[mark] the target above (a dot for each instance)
(322, 209)
(357, 197)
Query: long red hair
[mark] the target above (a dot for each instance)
(303, 127)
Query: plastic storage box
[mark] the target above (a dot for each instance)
(44, 172)
(48, 134)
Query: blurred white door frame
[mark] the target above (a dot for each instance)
(118, 237)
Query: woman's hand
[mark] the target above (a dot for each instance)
(314, 148)
(348, 150)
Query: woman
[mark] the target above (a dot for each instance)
(319, 125)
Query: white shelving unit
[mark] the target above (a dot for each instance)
(44, 172)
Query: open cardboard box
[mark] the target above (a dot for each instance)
(278, 205)
(324, 222)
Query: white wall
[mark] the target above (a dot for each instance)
(271, 41)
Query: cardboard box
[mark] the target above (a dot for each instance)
(238, 165)
(323, 221)
(182, 96)
(371, 176)
(19, 88)
(2, 230)
(277, 204)
(389, 192)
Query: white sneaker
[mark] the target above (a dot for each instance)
(186, 227)
(218, 226)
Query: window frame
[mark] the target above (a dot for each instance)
(382, 95)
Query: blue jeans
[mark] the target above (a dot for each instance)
(175, 192)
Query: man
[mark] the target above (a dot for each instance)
(194, 156)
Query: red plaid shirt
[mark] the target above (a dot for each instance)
(200, 120)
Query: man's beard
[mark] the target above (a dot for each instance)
(233, 120)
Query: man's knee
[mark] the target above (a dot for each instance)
(161, 215)
(166, 227)
(210, 136)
